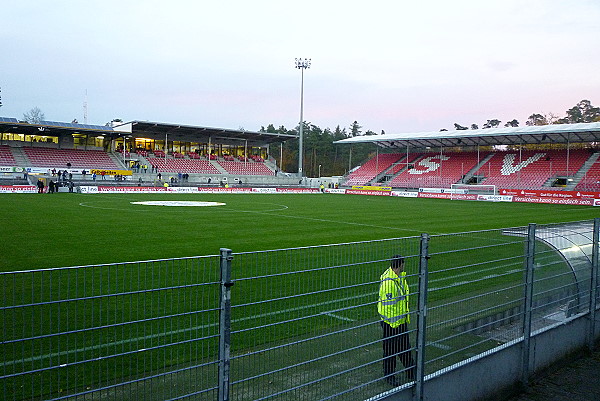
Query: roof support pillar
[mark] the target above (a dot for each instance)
(568, 152)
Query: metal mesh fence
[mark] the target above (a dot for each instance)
(290, 324)
(121, 331)
(475, 293)
(304, 321)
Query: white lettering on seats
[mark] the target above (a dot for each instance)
(428, 164)
(509, 166)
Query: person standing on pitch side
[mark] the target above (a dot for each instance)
(393, 310)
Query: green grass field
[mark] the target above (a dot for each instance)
(53, 230)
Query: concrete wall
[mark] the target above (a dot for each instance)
(498, 374)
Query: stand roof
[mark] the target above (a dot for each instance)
(538, 134)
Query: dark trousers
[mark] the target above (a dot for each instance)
(396, 343)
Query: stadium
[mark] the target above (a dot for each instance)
(552, 157)
(270, 293)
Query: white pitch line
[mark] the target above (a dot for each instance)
(339, 317)
(440, 346)
(130, 340)
(489, 276)
(338, 222)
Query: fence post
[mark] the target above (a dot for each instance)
(225, 324)
(528, 301)
(422, 317)
(594, 284)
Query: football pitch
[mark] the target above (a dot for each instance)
(129, 307)
(65, 229)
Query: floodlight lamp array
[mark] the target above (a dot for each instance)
(300, 63)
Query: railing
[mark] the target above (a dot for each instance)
(290, 324)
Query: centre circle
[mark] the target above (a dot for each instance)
(178, 203)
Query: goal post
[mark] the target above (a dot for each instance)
(478, 189)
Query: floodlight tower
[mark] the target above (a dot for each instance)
(85, 109)
(301, 64)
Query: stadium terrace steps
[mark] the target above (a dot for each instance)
(218, 166)
(372, 168)
(471, 173)
(117, 158)
(588, 178)
(20, 157)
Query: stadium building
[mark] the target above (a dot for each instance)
(563, 156)
(558, 157)
(500, 304)
(138, 150)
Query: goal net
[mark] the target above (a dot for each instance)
(461, 189)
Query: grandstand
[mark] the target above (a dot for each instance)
(504, 169)
(440, 159)
(121, 151)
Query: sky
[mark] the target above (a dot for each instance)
(395, 66)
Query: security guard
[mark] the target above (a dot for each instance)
(394, 313)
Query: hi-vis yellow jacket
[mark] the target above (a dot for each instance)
(393, 298)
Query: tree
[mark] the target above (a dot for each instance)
(582, 112)
(513, 123)
(34, 116)
(491, 123)
(355, 129)
(270, 129)
(459, 127)
(536, 119)
(339, 152)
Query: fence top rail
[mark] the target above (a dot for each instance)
(327, 245)
(49, 269)
(565, 226)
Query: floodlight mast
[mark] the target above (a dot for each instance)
(301, 64)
